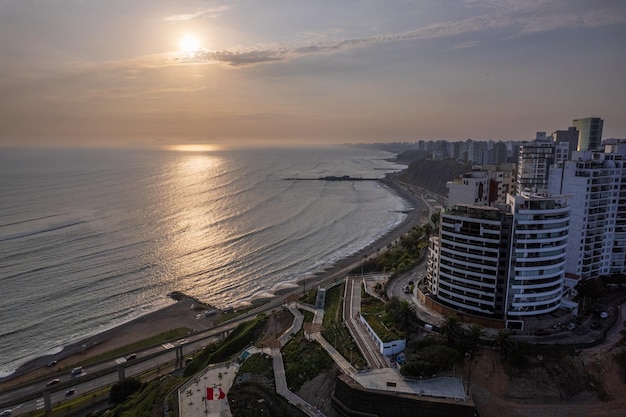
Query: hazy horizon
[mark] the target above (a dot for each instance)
(159, 73)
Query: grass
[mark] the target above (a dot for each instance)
(373, 310)
(229, 315)
(75, 404)
(308, 316)
(334, 330)
(303, 361)
(259, 365)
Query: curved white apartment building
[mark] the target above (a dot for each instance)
(539, 253)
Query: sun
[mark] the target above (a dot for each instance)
(189, 44)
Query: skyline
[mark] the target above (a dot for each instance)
(116, 73)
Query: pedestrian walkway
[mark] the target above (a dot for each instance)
(207, 393)
(387, 378)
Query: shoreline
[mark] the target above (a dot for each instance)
(179, 314)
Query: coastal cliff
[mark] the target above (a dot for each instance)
(433, 175)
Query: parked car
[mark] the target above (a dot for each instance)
(571, 326)
(53, 382)
(541, 332)
(604, 315)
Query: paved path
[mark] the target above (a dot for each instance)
(351, 311)
(387, 378)
(218, 379)
(194, 397)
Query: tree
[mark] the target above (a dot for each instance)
(451, 327)
(402, 312)
(474, 334)
(435, 217)
(505, 343)
(122, 390)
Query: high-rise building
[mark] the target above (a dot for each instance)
(482, 186)
(470, 188)
(533, 165)
(539, 250)
(589, 133)
(595, 183)
(505, 262)
(468, 261)
(569, 136)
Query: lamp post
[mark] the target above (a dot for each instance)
(468, 355)
(363, 263)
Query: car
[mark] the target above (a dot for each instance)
(70, 392)
(131, 357)
(6, 413)
(571, 326)
(53, 382)
(596, 325)
(604, 315)
(77, 371)
(52, 363)
(541, 332)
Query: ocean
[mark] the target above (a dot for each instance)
(90, 239)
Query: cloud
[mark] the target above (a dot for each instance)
(468, 44)
(512, 18)
(210, 12)
(535, 16)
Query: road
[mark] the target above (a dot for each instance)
(395, 288)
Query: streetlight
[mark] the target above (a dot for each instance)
(363, 263)
(469, 372)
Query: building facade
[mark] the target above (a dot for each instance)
(505, 262)
(595, 183)
(539, 252)
(533, 166)
(468, 261)
(589, 133)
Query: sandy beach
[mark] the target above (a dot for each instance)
(180, 314)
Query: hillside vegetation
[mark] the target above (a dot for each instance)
(433, 175)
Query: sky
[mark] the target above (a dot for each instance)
(118, 73)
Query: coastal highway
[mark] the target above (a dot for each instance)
(29, 397)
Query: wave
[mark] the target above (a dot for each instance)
(47, 229)
(225, 228)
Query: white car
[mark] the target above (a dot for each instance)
(604, 315)
(5, 413)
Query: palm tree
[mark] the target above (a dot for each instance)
(475, 332)
(505, 342)
(451, 327)
(405, 314)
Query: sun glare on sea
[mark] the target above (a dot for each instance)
(189, 44)
(194, 148)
